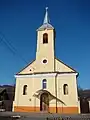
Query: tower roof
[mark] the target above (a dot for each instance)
(46, 18)
(46, 22)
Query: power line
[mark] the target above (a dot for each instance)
(10, 46)
(1, 40)
(5, 42)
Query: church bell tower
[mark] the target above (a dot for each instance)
(45, 46)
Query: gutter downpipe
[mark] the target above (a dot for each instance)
(56, 90)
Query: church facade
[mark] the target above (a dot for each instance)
(46, 84)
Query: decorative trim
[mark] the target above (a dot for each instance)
(43, 75)
(36, 75)
(66, 74)
(47, 73)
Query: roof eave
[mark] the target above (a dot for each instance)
(41, 29)
(48, 73)
(25, 67)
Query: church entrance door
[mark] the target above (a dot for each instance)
(44, 102)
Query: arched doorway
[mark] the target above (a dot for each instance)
(44, 102)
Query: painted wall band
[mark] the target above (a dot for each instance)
(69, 110)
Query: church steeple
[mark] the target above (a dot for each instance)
(46, 22)
(46, 18)
(45, 46)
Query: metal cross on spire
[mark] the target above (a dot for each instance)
(46, 18)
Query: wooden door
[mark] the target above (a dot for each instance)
(44, 102)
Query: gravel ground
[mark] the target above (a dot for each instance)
(41, 116)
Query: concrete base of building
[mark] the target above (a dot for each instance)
(62, 110)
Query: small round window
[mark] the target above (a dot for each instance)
(44, 61)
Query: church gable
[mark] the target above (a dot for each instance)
(28, 69)
(61, 67)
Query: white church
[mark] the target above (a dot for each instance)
(46, 84)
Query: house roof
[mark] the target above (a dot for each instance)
(46, 26)
(2, 89)
(9, 89)
(85, 94)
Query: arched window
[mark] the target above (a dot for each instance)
(65, 89)
(25, 90)
(45, 38)
(44, 83)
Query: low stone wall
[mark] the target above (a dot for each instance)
(71, 117)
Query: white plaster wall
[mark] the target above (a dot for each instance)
(79, 106)
(71, 99)
(34, 84)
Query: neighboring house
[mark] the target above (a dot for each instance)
(6, 97)
(84, 96)
(46, 84)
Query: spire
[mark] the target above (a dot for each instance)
(46, 18)
(46, 22)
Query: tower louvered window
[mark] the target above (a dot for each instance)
(45, 38)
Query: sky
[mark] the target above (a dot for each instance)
(19, 20)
